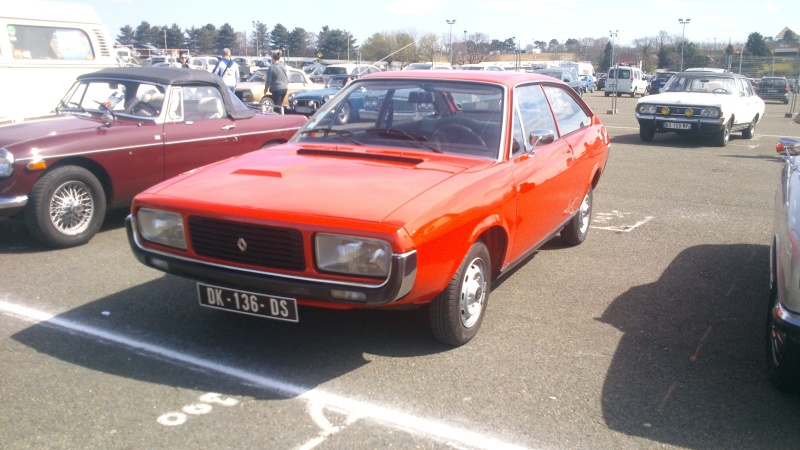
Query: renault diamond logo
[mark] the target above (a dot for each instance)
(241, 244)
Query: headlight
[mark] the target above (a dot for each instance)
(162, 227)
(647, 109)
(326, 97)
(247, 96)
(6, 163)
(353, 255)
(710, 112)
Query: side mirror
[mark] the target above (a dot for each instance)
(789, 146)
(107, 118)
(540, 137)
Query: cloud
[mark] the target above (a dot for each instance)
(413, 7)
(771, 7)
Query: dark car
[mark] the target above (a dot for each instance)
(309, 101)
(601, 81)
(658, 82)
(567, 75)
(115, 133)
(774, 88)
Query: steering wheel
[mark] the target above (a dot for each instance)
(454, 133)
(144, 109)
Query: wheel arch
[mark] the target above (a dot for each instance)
(92, 166)
(496, 240)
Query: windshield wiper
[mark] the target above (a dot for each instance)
(394, 133)
(344, 134)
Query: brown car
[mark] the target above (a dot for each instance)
(117, 132)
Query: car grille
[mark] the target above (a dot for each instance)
(679, 111)
(277, 248)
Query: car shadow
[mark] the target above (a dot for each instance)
(15, 238)
(669, 140)
(689, 367)
(322, 346)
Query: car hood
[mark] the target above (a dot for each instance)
(688, 98)
(20, 132)
(258, 85)
(349, 183)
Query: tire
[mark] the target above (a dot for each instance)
(646, 134)
(66, 208)
(344, 114)
(578, 227)
(783, 354)
(607, 94)
(722, 136)
(748, 132)
(267, 105)
(457, 313)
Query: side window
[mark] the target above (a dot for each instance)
(175, 108)
(203, 103)
(295, 77)
(534, 112)
(32, 42)
(569, 114)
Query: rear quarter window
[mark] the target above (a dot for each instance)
(36, 42)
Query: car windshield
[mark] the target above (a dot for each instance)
(334, 71)
(779, 83)
(439, 116)
(258, 76)
(712, 84)
(129, 97)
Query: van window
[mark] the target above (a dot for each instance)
(32, 42)
(624, 73)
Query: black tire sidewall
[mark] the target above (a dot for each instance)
(571, 234)
(445, 315)
(37, 216)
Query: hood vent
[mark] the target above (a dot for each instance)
(360, 155)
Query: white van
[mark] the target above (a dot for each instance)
(626, 80)
(44, 46)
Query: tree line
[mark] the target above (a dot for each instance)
(662, 51)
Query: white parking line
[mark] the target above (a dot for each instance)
(316, 398)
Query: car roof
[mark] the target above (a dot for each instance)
(157, 75)
(508, 78)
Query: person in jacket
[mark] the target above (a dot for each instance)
(277, 82)
(227, 69)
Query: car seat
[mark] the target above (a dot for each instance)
(211, 108)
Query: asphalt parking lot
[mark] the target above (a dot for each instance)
(650, 334)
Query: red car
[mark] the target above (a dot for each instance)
(115, 133)
(441, 183)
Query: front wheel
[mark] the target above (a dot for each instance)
(646, 134)
(578, 227)
(343, 116)
(457, 313)
(722, 136)
(66, 207)
(783, 354)
(267, 105)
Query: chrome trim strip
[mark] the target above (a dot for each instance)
(155, 144)
(787, 316)
(13, 202)
(396, 259)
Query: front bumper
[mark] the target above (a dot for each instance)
(399, 283)
(15, 203)
(697, 125)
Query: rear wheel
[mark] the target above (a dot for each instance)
(457, 313)
(578, 227)
(748, 132)
(66, 207)
(267, 105)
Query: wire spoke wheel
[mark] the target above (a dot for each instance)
(72, 208)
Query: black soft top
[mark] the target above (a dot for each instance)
(172, 77)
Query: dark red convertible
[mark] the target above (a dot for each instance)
(117, 132)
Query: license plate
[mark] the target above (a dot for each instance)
(678, 126)
(304, 110)
(771, 91)
(251, 303)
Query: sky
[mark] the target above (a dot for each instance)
(711, 21)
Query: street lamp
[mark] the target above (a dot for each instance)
(613, 35)
(257, 39)
(683, 41)
(451, 22)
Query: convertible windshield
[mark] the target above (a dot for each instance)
(129, 97)
(427, 115)
(716, 85)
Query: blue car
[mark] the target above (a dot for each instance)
(587, 83)
(308, 102)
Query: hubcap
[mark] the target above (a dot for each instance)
(473, 293)
(71, 208)
(585, 214)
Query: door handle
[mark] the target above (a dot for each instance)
(229, 127)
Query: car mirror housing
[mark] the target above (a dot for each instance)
(540, 137)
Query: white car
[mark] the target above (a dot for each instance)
(626, 80)
(701, 103)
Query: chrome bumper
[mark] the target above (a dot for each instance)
(13, 202)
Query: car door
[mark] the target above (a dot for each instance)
(198, 130)
(540, 173)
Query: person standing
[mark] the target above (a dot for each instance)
(227, 69)
(277, 82)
